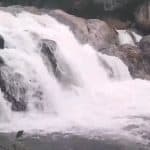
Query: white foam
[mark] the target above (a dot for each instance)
(126, 38)
(96, 102)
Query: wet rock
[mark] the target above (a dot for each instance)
(142, 16)
(56, 64)
(13, 87)
(1, 42)
(145, 46)
(105, 39)
(133, 57)
(100, 35)
(48, 50)
(96, 32)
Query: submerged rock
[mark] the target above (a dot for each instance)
(96, 32)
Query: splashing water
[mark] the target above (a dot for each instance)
(102, 97)
(128, 37)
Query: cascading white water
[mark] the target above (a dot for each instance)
(126, 38)
(95, 101)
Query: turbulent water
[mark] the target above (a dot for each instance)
(92, 97)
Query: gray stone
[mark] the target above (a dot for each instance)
(133, 57)
(145, 45)
(48, 50)
(56, 64)
(93, 31)
(13, 87)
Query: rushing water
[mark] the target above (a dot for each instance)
(91, 100)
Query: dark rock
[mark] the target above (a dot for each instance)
(13, 87)
(96, 32)
(142, 16)
(76, 5)
(145, 46)
(19, 134)
(1, 62)
(48, 50)
(121, 9)
(59, 66)
(1, 42)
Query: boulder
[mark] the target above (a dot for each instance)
(100, 34)
(55, 62)
(93, 31)
(133, 57)
(48, 50)
(145, 45)
(13, 87)
(18, 89)
(142, 16)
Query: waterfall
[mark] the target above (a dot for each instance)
(78, 89)
(128, 37)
